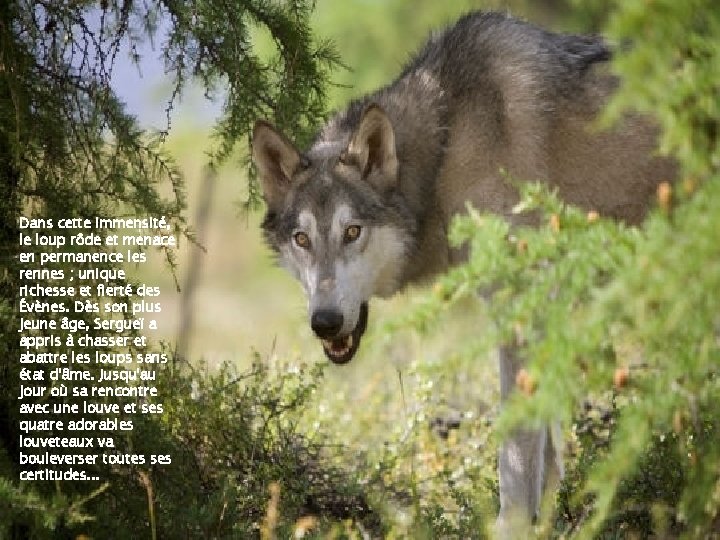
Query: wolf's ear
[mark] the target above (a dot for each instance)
(372, 147)
(276, 160)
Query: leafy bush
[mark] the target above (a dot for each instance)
(625, 317)
(69, 148)
(233, 441)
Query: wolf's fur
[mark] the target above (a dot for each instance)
(490, 92)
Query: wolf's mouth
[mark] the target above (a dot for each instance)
(340, 350)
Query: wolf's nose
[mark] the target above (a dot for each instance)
(326, 323)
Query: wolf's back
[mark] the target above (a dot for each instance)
(481, 44)
(493, 93)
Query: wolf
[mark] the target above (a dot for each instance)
(364, 211)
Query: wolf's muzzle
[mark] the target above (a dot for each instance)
(341, 349)
(326, 323)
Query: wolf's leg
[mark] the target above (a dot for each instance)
(554, 467)
(522, 460)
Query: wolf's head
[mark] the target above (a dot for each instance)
(337, 222)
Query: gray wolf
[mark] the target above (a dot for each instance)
(365, 209)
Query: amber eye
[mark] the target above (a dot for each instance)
(302, 240)
(352, 233)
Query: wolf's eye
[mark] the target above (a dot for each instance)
(302, 240)
(352, 233)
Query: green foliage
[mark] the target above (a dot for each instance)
(209, 41)
(607, 312)
(434, 475)
(588, 299)
(42, 514)
(68, 148)
(231, 436)
(672, 75)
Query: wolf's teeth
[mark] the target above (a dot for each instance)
(338, 347)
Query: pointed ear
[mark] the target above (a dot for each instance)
(372, 147)
(276, 160)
